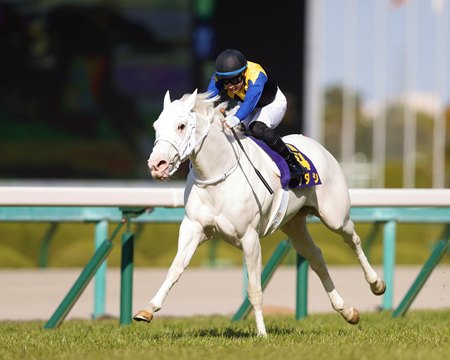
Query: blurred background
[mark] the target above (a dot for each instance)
(81, 83)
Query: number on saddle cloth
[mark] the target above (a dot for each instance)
(311, 178)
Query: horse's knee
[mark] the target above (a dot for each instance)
(174, 273)
(255, 297)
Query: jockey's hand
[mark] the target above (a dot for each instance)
(231, 121)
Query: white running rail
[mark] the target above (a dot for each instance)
(172, 196)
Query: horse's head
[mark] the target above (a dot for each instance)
(175, 136)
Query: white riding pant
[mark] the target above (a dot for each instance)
(270, 114)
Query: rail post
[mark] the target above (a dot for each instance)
(301, 308)
(126, 280)
(390, 230)
(437, 254)
(80, 284)
(101, 233)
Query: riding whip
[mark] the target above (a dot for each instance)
(248, 158)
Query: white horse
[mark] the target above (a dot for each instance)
(225, 199)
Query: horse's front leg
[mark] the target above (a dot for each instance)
(189, 238)
(252, 253)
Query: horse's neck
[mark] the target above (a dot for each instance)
(216, 153)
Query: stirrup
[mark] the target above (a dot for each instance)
(295, 168)
(297, 173)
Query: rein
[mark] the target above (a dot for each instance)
(218, 178)
(230, 171)
(269, 189)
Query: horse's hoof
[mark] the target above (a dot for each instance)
(351, 315)
(355, 317)
(143, 315)
(378, 287)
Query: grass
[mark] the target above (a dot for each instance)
(419, 335)
(72, 245)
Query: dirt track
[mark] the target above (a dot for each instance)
(35, 294)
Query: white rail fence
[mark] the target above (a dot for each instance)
(385, 206)
(172, 196)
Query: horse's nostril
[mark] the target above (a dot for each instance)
(161, 163)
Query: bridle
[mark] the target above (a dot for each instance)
(186, 145)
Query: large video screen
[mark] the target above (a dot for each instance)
(83, 81)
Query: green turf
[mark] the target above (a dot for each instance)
(419, 335)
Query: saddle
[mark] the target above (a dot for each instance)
(310, 178)
(281, 198)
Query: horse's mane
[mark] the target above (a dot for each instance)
(208, 106)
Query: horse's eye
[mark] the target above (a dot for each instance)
(181, 127)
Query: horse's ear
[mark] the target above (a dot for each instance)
(190, 101)
(167, 100)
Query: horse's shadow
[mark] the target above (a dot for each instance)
(224, 333)
(231, 332)
(228, 332)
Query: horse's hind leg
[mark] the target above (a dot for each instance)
(301, 240)
(350, 236)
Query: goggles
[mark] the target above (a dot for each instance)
(234, 80)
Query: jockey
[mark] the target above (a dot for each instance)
(262, 105)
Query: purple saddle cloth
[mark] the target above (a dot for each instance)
(311, 178)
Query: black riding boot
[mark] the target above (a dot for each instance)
(296, 169)
(271, 138)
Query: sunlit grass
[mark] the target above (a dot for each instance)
(418, 335)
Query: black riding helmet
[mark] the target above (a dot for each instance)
(229, 64)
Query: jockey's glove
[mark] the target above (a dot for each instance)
(232, 121)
